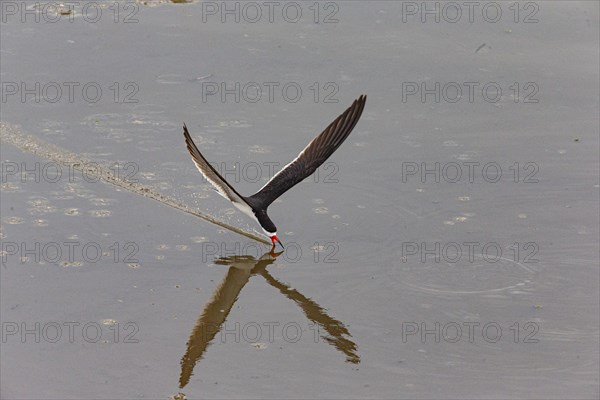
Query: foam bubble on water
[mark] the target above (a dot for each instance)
(40, 206)
(100, 213)
(98, 201)
(259, 149)
(72, 264)
(10, 187)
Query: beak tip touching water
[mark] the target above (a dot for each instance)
(274, 239)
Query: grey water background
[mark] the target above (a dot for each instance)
(360, 235)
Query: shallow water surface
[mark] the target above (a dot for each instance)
(448, 249)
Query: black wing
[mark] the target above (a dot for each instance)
(313, 155)
(223, 188)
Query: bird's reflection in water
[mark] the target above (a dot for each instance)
(242, 268)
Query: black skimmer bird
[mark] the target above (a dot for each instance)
(309, 159)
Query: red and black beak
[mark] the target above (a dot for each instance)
(274, 239)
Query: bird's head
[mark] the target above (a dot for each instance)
(274, 239)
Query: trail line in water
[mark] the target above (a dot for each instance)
(30, 144)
